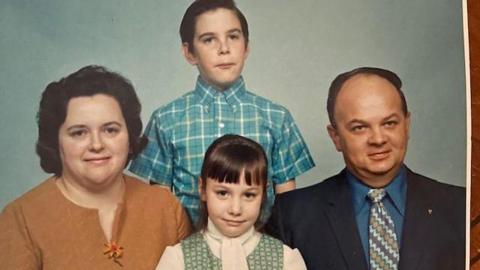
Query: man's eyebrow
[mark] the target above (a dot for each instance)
(391, 116)
(356, 121)
(359, 121)
(234, 31)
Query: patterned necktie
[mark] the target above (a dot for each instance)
(384, 253)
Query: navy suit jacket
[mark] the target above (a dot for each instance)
(319, 220)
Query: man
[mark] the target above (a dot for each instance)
(415, 223)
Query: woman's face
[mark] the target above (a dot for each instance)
(93, 142)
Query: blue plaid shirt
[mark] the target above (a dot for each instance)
(180, 132)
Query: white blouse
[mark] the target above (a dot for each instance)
(236, 249)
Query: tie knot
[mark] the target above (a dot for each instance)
(376, 195)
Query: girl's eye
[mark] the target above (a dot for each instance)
(221, 193)
(250, 195)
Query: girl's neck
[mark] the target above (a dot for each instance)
(215, 233)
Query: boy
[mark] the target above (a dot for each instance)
(214, 37)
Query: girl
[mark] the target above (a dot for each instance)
(232, 188)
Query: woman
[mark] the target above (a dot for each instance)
(89, 215)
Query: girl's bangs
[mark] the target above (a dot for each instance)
(254, 172)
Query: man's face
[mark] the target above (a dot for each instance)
(371, 129)
(219, 47)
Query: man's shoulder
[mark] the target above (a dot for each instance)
(450, 198)
(447, 201)
(435, 187)
(321, 191)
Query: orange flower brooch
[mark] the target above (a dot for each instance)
(113, 251)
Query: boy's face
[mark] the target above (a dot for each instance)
(219, 47)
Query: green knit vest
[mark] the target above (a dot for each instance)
(267, 255)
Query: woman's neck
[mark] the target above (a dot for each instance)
(104, 198)
(106, 201)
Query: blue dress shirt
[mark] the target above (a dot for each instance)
(394, 203)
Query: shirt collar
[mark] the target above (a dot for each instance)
(207, 93)
(396, 191)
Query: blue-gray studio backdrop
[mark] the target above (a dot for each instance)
(297, 48)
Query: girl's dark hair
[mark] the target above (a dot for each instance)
(88, 81)
(225, 160)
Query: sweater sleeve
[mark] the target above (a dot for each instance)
(184, 226)
(17, 250)
(292, 259)
(172, 259)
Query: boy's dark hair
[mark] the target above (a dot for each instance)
(88, 81)
(226, 159)
(338, 82)
(197, 8)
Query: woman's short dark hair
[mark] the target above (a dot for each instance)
(226, 159)
(197, 8)
(338, 82)
(88, 81)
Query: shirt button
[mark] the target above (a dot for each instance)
(221, 125)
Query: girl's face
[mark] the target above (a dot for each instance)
(233, 208)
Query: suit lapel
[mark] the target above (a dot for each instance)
(344, 226)
(417, 224)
